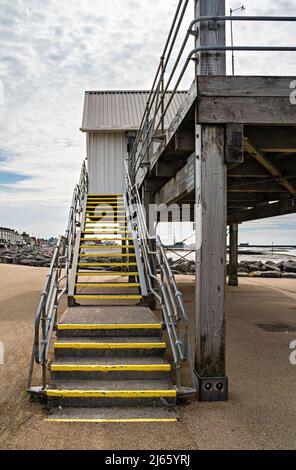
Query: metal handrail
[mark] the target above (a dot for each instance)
(56, 284)
(164, 288)
(150, 127)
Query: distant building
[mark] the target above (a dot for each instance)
(9, 236)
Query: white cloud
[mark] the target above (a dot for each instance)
(51, 52)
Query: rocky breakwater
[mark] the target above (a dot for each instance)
(284, 269)
(27, 256)
(182, 266)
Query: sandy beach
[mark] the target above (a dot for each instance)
(260, 413)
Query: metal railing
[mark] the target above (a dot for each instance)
(152, 127)
(56, 285)
(163, 287)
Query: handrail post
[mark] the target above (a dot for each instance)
(162, 93)
(163, 288)
(46, 315)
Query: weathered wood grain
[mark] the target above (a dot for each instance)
(246, 110)
(211, 251)
(244, 86)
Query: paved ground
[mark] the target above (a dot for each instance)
(260, 413)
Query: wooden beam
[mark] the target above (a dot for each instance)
(268, 165)
(249, 169)
(253, 197)
(281, 139)
(176, 188)
(245, 86)
(246, 110)
(262, 212)
(245, 100)
(249, 185)
(185, 140)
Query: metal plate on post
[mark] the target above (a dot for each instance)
(212, 388)
(234, 143)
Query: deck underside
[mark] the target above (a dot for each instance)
(260, 148)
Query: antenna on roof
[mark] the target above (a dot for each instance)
(242, 8)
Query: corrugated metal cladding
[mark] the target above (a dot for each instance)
(106, 153)
(121, 110)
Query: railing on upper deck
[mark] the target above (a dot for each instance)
(168, 78)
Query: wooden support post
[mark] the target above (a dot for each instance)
(211, 219)
(233, 259)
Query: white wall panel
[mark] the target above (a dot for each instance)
(106, 153)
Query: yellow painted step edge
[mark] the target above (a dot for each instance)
(106, 284)
(109, 345)
(107, 297)
(111, 220)
(106, 210)
(106, 207)
(105, 194)
(114, 201)
(109, 326)
(111, 368)
(106, 247)
(115, 207)
(111, 393)
(107, 255)
(107, 264)
(107, 273)
(114, 420)
(107, 232)
(105, 239)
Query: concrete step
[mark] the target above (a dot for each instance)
(113, 346)
(100, 274)
(112, 415)
(109, 393)
(110, 368)
(107, 284)
(107, 321)
(115, 298)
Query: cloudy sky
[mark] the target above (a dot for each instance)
(52, 51)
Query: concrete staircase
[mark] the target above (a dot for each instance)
(110, 361)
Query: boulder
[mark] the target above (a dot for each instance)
(242, 269)
(254, 267)
(270, 266)
(280, 265)
(289, 266)
(289, 275)
(268, 274)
